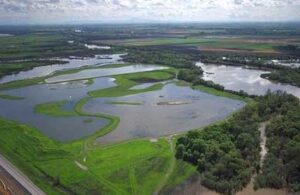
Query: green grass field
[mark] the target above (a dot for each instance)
(126, 81)
(132, 167)
(219, 93)
(37, 46)
(225, 43)
(15, 67)
(54, 109)
(139, 166)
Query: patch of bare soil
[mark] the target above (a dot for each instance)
(8, 185)
(3, 189)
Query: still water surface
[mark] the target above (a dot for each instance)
(40, 71)
(170, 110)
(93, 73)
(152, 118)
(59, 128)
(248, 80)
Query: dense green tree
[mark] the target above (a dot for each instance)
(227, 154)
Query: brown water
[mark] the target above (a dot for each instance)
(193, 187)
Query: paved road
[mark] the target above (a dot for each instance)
(20, 177)
(9, 185)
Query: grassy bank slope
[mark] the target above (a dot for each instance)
(132, 167)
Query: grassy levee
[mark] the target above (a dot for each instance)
(113, 123)
(182, 172)
(136, 166)
(130, 167)
(125, 103)
(220, 93)
(10, 97)
(54, 109)
(150, 76)
(143, 164)
(214, 91)
(40, 158)
(21, 83)
(126, 81)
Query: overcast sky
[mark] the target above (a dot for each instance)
(82, 11)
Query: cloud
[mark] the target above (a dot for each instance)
(49, 11)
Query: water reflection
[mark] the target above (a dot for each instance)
(187, 109)
(73, 62)
(59, 128)
(248, 80)
(89, 46)
(93, 73)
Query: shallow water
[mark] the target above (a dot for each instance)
(93, 73)
(146, 120)
(5, 35)
(292, 64)
(150, 119)
(59, 128)
(39, 71)
(248, 80)
(89, 46)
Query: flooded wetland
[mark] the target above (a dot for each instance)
(151, 117)
(130, 103)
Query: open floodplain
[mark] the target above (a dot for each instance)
(136, 103)
(121, 107)
(165, 111)
(99, 110)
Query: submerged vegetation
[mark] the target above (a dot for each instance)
(10, 97)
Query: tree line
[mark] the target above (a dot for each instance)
(290, 76)
(227, 154)
(193, 75)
